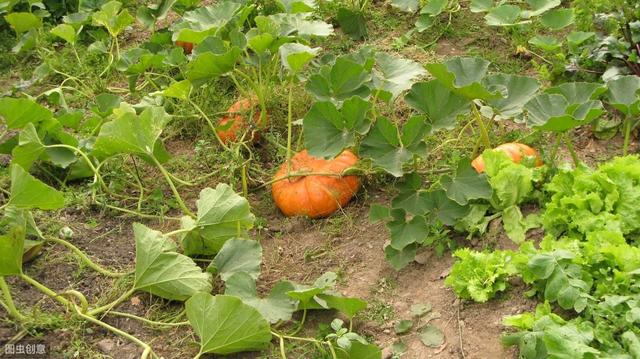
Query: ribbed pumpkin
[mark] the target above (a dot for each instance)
(315, 196)
(186, 46)
(237, 115)
(516, 151)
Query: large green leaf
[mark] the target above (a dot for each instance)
(12, 246)
(516, 225)
(29, 148)
(519, 90)
(390, 150)
(406, 5)
(222, 215)
(440, 206)
(150, 14)
(307, 296)
(578, 92)
(440, 104)
(17, 112)
(539, 7)
(352, 23)
(226, 325)
(295, 56)
(208, 65)
(28, 192)
(275, 307)
(464, 75)
(342, 80)
(328, 131)
(65, 32)
(623, 94)
(546, 42)
(161, 271)
(467, 184)
(396, 75)
(411, 196)
(22, 22)
(557, 19)
(180, 90)
(406, 230)
(204, 21)
(300, 24)
(235, 256)
(296, 6)
(348, 306)
(552, 112)
(110, 16)
(399, 259)
(132, 134)
(504, 15)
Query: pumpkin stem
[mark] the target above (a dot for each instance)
(9, 306)
(484, 134)
(84, 258)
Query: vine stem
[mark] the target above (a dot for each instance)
(556, 146)
(627, 136)
(96, 173)
(147, 348)
(167, 176)
(108, 307)
(299, 328)
(289, 124)
(44, 289)
(147, 321)
(572, 151)
(177, 231)
(84, 258)
(213, 128)
(483, 129)
(10, 305)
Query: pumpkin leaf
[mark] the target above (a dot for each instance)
(406, 5)
(226, 325)
(464, 76)
(441, 105)
(12, 246)
(431, 336)
(65, 32)
(518, 89)
(578, 92)
(112, 18)
(276, 307)
(399, 259)
(222, 215)
(133, 134)
(467, 184)
(345, 305)
(161, 271)
(445, 209)
(150, 14)
(403, 326)
(434, 7)
(553, 111)
(27, 192)
(411, 197)
(307, 295)
(208, 65)
(300, 25)
(340, 81)
(359, 350)
(18, 112)
(390, 150)
(405, 231)
(558, 18)
(295, 56)
(546, 42)
(237, 256)
(296, 6)
(328, 131)
(29, 148)
(396, 75)
(22, 22)
(504, 15)
(352, 23)
(198, 24)
(180, 90)
(623, 94)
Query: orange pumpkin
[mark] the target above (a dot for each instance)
(237, 114)
(186, 46)
(315, 195)
(516, 151)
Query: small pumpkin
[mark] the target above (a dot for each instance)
(186, 46)
(315, 195)
(235, 123)
(516, 151)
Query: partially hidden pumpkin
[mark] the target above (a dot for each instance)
(235, 122)
(186, 46)
(515, 151)
(314, 195)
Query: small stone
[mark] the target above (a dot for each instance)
(387, 353)
(106, 345)
(386, 331)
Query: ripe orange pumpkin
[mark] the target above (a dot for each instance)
(315, 195)
(186, 46)
(237, 114)
(516, 151)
